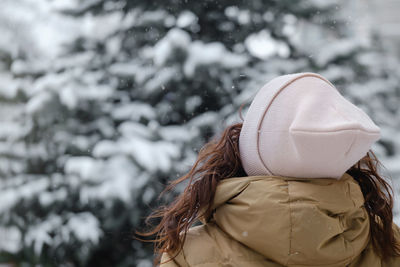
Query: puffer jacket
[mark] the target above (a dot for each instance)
(276, 221)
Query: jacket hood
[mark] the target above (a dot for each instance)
(294, 221)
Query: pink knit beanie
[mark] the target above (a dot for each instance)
(299, 125)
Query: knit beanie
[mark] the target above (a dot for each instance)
(299, 125)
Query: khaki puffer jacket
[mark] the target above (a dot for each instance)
(276, 221)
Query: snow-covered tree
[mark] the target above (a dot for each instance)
(96, 127)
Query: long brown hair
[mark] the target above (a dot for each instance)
(219, 159)
(378, 195)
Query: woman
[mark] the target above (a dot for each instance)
(295, 184)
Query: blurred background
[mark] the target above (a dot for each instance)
(103, 102)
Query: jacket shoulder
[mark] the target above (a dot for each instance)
(196, 244)
(208, 246)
